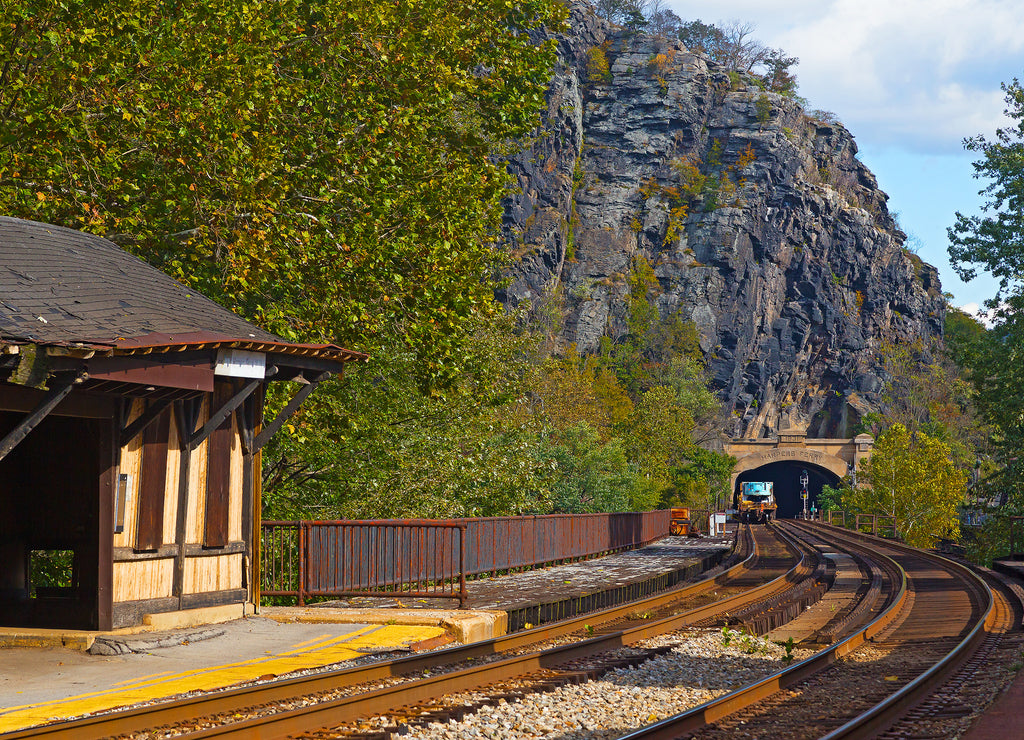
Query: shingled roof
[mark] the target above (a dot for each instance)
(64, 287)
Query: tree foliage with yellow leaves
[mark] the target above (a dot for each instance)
(326, 169)
(912, 477)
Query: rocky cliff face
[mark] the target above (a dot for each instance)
(761, 225)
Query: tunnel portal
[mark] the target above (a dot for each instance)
(786, 479)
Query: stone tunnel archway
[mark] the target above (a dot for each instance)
(784, 458)
(785, 475)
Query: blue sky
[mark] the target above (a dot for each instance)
(910, 79)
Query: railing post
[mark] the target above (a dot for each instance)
(302, 563)
(463, 594)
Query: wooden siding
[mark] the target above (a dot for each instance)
(143, 579)
(237, 487)
(195, 527)
(218, 473)
(213, 573)
(131, 463)
(171, 489)
(153, 483)
(196, 514)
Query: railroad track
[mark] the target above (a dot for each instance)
(931, 617)
(329, 699)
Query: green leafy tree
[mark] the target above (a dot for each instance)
(778, 74)
(994, 242)
(590, 475)
(573, 390)
(325, 169)
(658, 437)
(914, 479)
(995, 370)
(925, 390)
(703, 480)
(705, 38)
(332, 171)
(375, 446)
(832, 499)
(733, 46)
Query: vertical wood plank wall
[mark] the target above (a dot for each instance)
(152, 483)
(131, 463)
(218, 475)
(148, 576)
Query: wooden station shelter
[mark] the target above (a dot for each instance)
(131, 423)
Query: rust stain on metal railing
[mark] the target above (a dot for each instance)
(432, 557)
(383, 558)
(882, 525)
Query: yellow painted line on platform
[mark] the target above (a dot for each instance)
(164, 685)
(310, 642)
(137, 679)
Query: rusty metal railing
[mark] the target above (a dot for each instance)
(882, 525)
(385, 558)
(432, 558)
(1016, 537)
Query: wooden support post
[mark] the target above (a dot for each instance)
(218, 417)
(186, 413)
(59, 389)
(286, 413)
(248, 425)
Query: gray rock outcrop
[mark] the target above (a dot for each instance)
(760, 223)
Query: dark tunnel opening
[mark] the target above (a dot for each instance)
(786, 479)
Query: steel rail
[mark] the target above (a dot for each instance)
(181, 710)
(868, 724)
(335, 712)
(339, 712)
(879, 717)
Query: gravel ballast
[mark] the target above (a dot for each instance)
(699, 667)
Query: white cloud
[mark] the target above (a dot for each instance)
(910, 79)
(986, 316)
(917, 73)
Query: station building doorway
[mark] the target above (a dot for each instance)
(54, 495)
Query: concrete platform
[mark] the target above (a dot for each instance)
(40, 685)
(15, 637)
(462, 625)
(537, 596)
(47, 675)
(1009, 567)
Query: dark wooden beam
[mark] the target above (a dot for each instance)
(167, 371)
(270, 429)
(131, 431)
(315, 364)
(247, 425)
(186, 413)
(83, 404)
(217, 418)
(58, 390)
